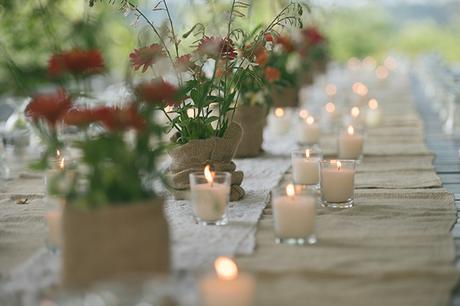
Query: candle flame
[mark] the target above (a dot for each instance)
(331, 89)
(58, 153)
(290, 190)
(355, 111)
(359, 89)
(279, 112)
(62, 163)
(382, 72)
(208, 174)
(339, 165)
(373, 104)
(390, 63)
(310, 120)
(307, 153)
(303, 114)
(226, 268)
(330, 107)
(350, 130)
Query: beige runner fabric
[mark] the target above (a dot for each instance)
(393, 248)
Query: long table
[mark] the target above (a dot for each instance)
(393, 248)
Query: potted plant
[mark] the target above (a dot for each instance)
(206, 92)
(112, 219)
(254, 102)
(285, 71)
(314, 49)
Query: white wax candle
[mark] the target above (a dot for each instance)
(373, 115)
(280, 121)
(54, 219)
(337, 184)
(305, 171)
(294, 216)
(350, 144)
(309, 132)
(209, 201)
(228, 287)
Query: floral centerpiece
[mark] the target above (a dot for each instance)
(285, 70)
(314, 48)
(109, 192)
(206, 87)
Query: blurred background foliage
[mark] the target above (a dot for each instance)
(31, 30)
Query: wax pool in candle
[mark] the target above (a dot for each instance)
(227, 287)
(294, 215)
(305, 169)
(337, 183)
(209, 200)
(309, 131)
(350, 144)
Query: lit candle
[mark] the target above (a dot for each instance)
(350, 144)
(382, 73)
(309, 131)
(294, 216)
(337, 183)
(227, 287)
(53, 219)
(305, 167)
(373, 115)
(280, 122)
(209, 197)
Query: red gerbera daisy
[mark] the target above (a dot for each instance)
(80, 117)
(76, 61)
(120, 119)
(272, 74)
(49, 107)
(146, 56)
(184, 62)
(157, 92)
(217, 47)
(286, 43)
(312, 35)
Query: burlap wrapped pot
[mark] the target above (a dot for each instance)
(114, 242)
(285, 96)
(196, 154)
(253, 120)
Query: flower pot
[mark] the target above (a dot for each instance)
(196, 154)
(306, 77)
(253, 120)
(114, 242)
(285, 96)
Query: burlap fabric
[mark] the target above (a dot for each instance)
(253, 120)
(113, 242)
(285, 96)
(196, 154)
(368, 255)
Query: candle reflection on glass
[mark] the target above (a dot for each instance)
(373, 115)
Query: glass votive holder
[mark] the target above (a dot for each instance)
(209, 196)
(305, 166)
(350, 143)
(309, 131)
(337, 183)
(294, 214)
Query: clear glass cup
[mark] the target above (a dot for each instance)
(337, 183)
(209, 198)
(294, 215)
(305, 166)
(350, 143)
